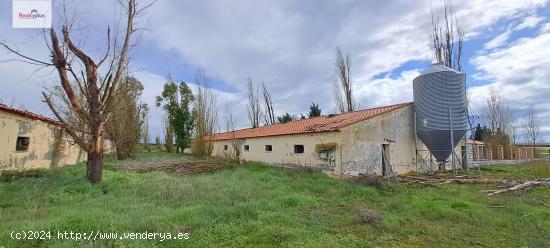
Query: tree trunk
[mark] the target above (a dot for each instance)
(95, 153)
(95, 166)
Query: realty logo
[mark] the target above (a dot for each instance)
(32, 14)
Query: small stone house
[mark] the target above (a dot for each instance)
(352, 143)
(29, 140)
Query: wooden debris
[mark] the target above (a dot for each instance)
(458, 180)
(519, 187)
(510, 184)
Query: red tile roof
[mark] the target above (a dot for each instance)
(28, 114)
(311, 125)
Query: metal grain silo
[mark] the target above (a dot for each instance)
(440, 105)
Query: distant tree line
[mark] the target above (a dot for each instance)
(499, 127)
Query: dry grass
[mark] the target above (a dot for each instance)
(368, 179)
(177, 165)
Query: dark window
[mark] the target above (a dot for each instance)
(225, 147)
(268, 148)
(22, 144)
(246, 147)
(298, 148)
(323, 155)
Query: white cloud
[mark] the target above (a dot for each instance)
(387, 90)
(525, 59)
(545, 28)
(529, 22)
(520, 73)
(499, 40)
(288, 44)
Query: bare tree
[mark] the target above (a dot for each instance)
(230, 127)
(448, 41)
(206, 116)
(531, 127)
(157, 141)
(343, 90)
(498, 118)
(340, 106)
(514, 132)
(269, 116)
(70, 61)
(496, 114)
(168, 135)
(254, 109)
(145, 134)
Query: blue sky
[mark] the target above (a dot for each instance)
(290, 45)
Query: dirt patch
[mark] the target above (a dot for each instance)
(176, 166)
(367, 179)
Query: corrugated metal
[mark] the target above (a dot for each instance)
(435, 91)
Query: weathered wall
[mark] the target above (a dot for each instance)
(45, 150)
(358, 146)
(362, 143)
(283, 149)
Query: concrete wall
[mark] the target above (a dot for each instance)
(362, 143)
(282, 149)
(48, 145)
(357, 148)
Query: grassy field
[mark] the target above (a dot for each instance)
(265, 206)
(542, 152)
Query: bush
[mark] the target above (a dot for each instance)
(12, 175)
(369, 216)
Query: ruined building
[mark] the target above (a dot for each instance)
(28, 140)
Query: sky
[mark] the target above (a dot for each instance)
(290, 46)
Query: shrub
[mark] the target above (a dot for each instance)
(12, 175)
(369, 216)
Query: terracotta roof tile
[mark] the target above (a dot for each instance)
(311, 125)
(28, 114)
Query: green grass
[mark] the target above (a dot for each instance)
(265, 206)
(542, 152)
(530, 170)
